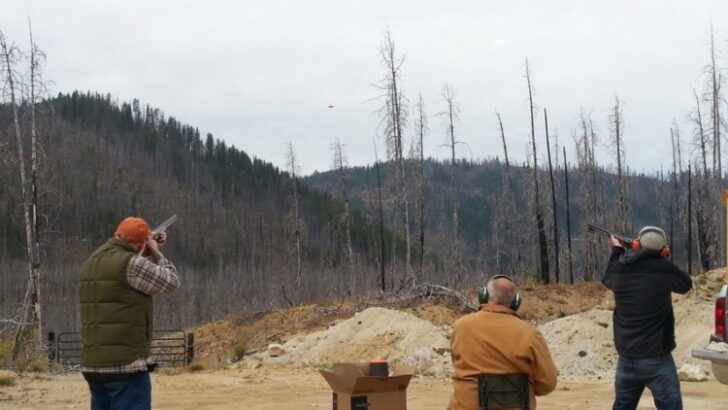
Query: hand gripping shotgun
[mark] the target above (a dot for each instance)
(156, 232)
(626, 241)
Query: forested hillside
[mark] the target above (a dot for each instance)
(237, 243)
(495, 230)
(234, 243)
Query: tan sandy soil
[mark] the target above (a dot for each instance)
(216, 341)
(580, 342)
(270, 388)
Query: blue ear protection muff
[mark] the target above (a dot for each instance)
(483, 294)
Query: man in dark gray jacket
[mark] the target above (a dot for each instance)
(643, 280)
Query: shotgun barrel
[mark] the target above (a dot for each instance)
(156, 232)
(627, 241)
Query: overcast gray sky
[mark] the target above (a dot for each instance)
(259, 74)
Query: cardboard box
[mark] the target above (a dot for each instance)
(355, 389)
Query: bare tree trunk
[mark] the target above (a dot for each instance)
(340, 164)
(543, 247)
(293, 168)
(617, 126)
(514, 226)
(705, 229)
(382, 250)
(31, 301)
(690, 221)
(716, 98)
(681, 198)
(568, 219)
(421, 126)
(589, 198)
(701, 137)
(676, 171)
(716, 81)
(35, 83)
(553, 201)
(395, 114)
(451, 114)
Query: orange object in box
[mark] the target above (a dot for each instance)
(355, 389)
(379, 368)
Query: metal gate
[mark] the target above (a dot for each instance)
(169, 348)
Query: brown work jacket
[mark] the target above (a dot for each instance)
(496, 340)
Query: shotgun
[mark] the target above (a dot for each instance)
(156, 232)
(626, 241)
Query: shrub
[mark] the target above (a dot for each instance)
(6, 351)
(239, 351)
(38, 365)
(196, 367)
(7, 379)
(21, 364)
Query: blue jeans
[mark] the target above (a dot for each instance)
(656, 373)
(120, 392)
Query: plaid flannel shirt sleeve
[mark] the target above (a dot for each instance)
(151, 277)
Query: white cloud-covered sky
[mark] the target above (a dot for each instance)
(260, 74)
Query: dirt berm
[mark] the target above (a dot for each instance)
(581, 344)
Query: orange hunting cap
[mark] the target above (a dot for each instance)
(134, 230)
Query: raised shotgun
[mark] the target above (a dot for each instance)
(156, 232)
(624, 239)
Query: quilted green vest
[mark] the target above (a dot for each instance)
(116, 319)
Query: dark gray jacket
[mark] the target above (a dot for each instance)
(642, 282)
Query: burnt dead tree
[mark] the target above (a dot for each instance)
(568, 220)
(616, 127)
(589, 199)
(36, 90)
(380, 209)
(715, 99)
(451, 114)
(542, 243)
(555, 219)
(689, 239)
(340, 163)
(30, 312)
(295, 222)
(421, 129)
(704, 207)
(513, 224)
(677, 219)
(394, 118)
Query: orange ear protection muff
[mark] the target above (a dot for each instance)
(664, 251)
(483, 293)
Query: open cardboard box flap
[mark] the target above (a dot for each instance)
(354, 378)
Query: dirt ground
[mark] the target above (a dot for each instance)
(275, 388)
(216, 342)
(575, 319)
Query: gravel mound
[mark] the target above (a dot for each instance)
(397, 336)
(582, 345)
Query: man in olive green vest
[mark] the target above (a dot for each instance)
(117, 284)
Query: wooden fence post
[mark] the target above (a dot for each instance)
(51, 346)
(190, 348)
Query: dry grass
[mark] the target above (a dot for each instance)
(6, 351)
(217, 344)
(38, 365)
(173, 371)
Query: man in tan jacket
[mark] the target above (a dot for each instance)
(495, 340)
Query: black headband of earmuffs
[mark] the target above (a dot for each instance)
(483, 295)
